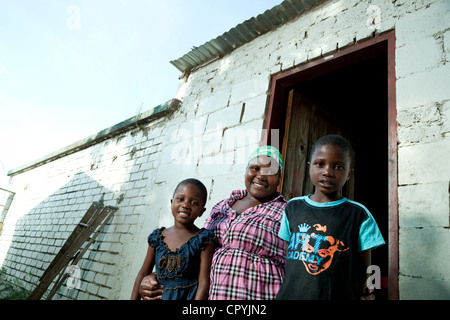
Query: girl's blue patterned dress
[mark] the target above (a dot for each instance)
(178, 270)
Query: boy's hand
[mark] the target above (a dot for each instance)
(150, 289)
(368, 295)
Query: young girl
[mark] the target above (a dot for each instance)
(183, 252)
(329, 238)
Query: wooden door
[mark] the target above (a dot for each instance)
(305, 123)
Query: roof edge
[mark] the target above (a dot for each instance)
(244, 33)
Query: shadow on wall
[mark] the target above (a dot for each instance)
(38, 236)
(423, 259)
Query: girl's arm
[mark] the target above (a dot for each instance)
(366, 261)
(146, 269)
(203, 276)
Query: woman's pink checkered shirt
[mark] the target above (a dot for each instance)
(250, 260)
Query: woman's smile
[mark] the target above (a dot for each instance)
(260, 185)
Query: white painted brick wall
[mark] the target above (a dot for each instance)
(209, 139)
(423, 98)
(54, 197)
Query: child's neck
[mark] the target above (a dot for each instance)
(322, 198)
(177, 235)
(190, 228)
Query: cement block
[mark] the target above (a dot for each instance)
(423, 88)
(212, 166)
(241, 136)
(255, 108)
(418, 23)
(177, 151)
(445, 114)
(424, 205)
(422, 124)
(447, 44)
(210, 171)
(424, 252)
(418, 56)
(425, 113)
(249, 88)
(413, 288)
(213, 101)
(174, 173)
(207, 144)
(425, 163)
(224, 118)
(192, 127)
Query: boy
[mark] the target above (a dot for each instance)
(328, 237)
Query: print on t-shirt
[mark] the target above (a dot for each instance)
(314, 247)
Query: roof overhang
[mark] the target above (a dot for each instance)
(244, 33)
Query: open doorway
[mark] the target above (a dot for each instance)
(347, 93)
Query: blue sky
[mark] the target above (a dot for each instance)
(69, 69)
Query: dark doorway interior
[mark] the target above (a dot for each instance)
(356, 97)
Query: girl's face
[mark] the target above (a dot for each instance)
(261, 177)
(329, 170)
(187, 204)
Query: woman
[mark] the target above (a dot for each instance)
(249, 260)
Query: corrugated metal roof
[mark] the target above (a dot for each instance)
(244, 32)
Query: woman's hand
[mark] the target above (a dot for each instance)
(150, 289)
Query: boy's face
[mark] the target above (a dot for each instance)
(187, 203)
(329, 170)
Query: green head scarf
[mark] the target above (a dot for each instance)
(269, 151)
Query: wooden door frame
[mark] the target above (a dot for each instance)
(276, 113)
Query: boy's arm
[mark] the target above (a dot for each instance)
(203, 276)
(146, 269)
(366, 261)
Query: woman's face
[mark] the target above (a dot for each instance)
(261, 180)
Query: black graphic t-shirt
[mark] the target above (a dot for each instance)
(325, 240)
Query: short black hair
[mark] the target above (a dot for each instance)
(334, 140)
(201, 187)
